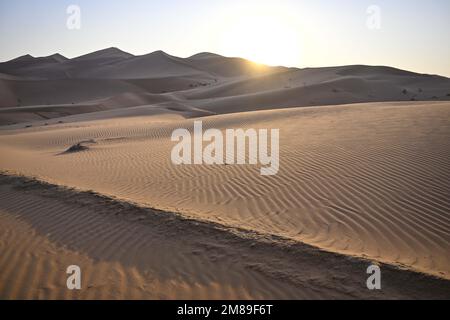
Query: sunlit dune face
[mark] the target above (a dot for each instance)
(268, 36)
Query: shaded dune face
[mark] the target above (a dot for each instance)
(369, 180)
(119, 258)
(127, 251)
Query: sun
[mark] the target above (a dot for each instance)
(267, 36)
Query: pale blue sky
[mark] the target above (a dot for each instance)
(414, 34)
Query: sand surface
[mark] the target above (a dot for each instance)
(129, 252)
(362, 179)
(367, 180)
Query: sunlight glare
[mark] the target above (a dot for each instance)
(268, 36)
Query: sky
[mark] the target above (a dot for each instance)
(408, 34)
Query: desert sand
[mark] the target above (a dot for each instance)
(364, 171)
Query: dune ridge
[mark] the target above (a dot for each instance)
(113, 79)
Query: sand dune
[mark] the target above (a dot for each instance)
(207, 82)
(122, 255)
(364, 171)
(130, 252)
(113, 63)
(367, 180)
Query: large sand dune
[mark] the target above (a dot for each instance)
(367, 180)
(364, 173)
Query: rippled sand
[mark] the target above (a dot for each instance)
(367, 180)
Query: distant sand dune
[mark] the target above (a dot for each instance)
(212, 84)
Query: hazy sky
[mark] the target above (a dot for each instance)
(412, 34)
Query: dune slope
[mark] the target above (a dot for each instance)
(130, 252)
(368, 180)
